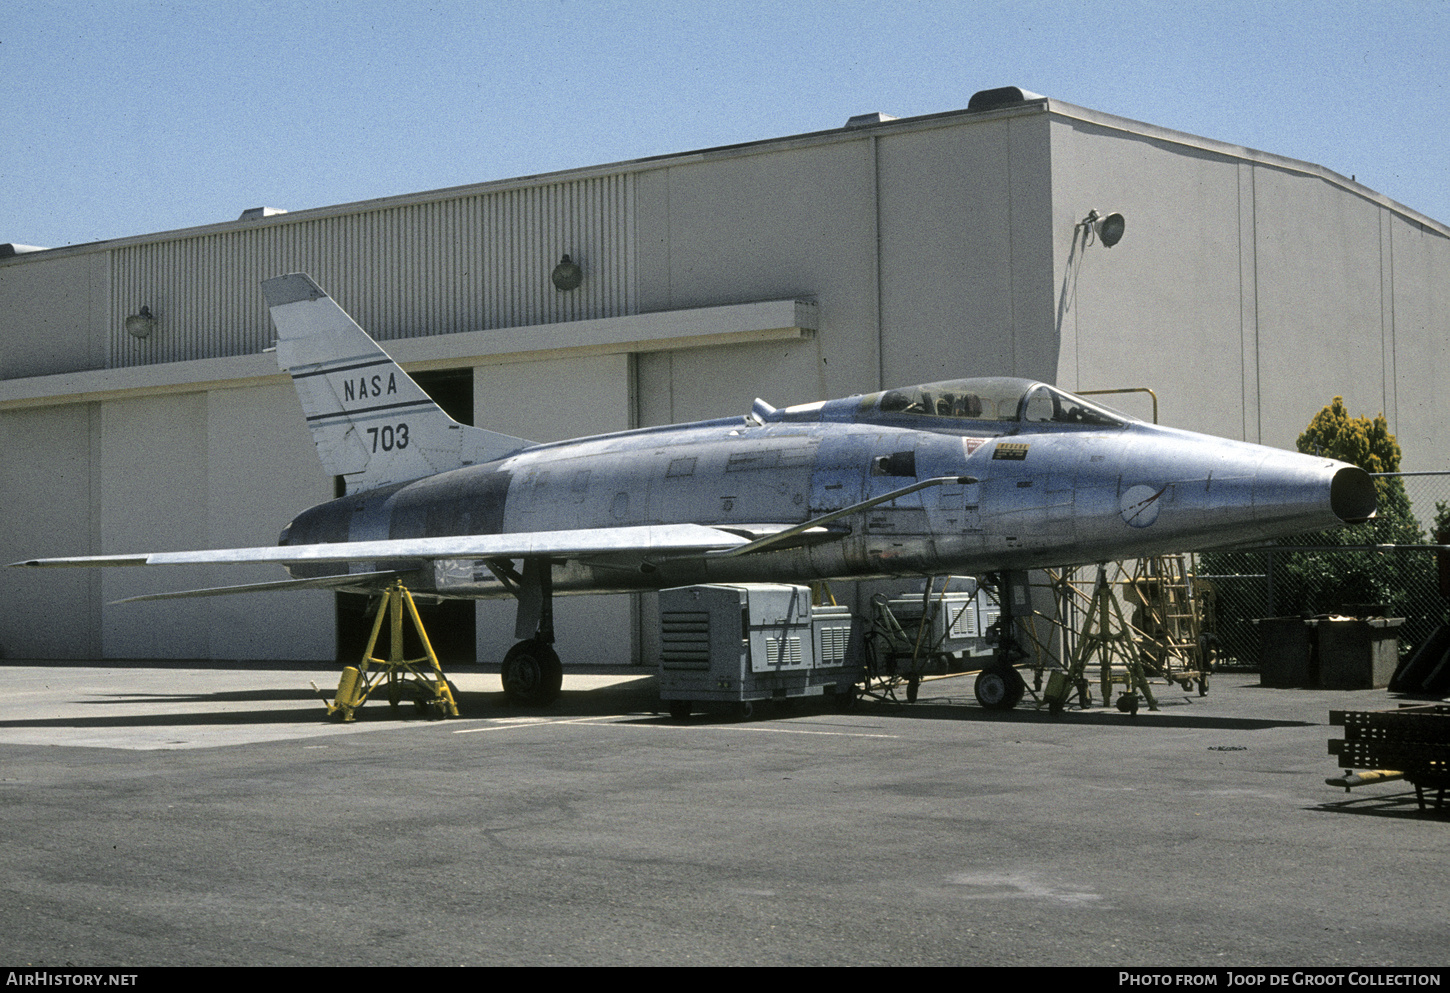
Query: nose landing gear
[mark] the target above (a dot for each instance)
(999, 686)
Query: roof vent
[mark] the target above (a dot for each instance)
(866, 120)
(1002, 96)
(9, 249)
(257, 213)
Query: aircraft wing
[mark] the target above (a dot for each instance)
(584, 543)
(661, 540)
(636, 540)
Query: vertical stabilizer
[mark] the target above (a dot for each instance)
(371, 423)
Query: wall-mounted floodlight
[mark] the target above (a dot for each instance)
(1108, 229)
(567, 275)
(141, 325)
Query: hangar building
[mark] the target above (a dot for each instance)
(1248, 290)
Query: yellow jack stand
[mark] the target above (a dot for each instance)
(430, 690)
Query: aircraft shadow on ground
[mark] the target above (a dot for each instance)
(1103, 717)
(634, 697)
(277, 694)
(193, 719)
(218, 665)
(1399, 805)
(638, 697)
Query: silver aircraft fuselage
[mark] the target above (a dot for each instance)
(969, 476)
(1024, 476)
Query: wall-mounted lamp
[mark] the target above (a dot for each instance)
(141, 325)
(1108, 229)
(567, 275)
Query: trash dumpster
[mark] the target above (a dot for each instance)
(1358, 653)
(1329, 653)
(1286, 652)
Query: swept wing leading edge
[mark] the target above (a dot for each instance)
(647, 539)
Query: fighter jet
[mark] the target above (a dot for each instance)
(964, 477)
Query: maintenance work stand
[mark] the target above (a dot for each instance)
(425, 684)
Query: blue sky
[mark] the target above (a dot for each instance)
(124, 118)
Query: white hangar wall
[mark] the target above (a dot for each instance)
(776, 221)
(1247, 291)
(53, 310)
(182, 471)
(1421, 276)
(157, 473)
(926, 244)
(967, 250)
(49, 489)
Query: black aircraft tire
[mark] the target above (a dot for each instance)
(999, 688)
(532, 674)
(680, 709)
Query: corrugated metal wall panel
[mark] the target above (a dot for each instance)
(465, 263)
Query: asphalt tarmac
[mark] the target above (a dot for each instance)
(176, 814)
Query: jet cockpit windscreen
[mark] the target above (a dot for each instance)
(997, 398)
(1047, 404)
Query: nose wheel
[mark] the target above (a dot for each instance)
(999, 687)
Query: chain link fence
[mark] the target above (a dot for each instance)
(1310, 574)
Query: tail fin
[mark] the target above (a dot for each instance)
(369, 420)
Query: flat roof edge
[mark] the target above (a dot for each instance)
(645, 164)
(1033, 104)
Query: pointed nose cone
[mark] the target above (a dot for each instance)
(1295, 492)
(1181, 491)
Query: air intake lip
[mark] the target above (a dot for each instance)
(1352, 495)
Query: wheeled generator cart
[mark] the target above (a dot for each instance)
(742, 643)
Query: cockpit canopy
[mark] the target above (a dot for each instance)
(997, 398)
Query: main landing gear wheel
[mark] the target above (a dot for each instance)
(680, 709)
(532, 674)
(999, 687)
